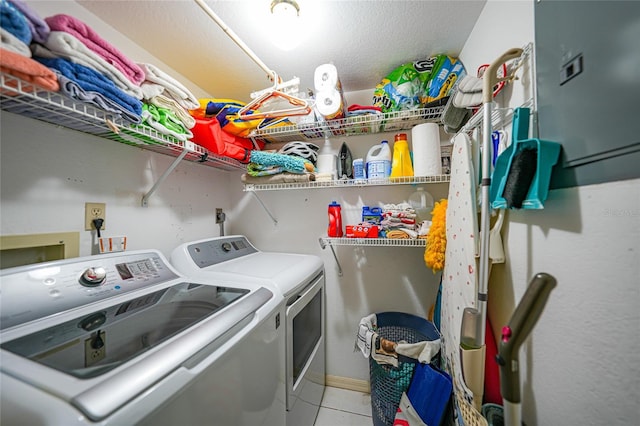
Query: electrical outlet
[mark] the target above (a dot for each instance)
(94, 211)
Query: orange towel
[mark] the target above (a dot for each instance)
(27, 70)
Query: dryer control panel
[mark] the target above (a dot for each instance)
(212, 252)
(39, 290)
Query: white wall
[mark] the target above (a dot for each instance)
(581, 364)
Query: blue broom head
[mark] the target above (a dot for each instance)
(288, 163)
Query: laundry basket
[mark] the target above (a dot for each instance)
(389, 382)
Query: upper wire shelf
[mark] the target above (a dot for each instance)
(350, 126)
(20, 97)
(347, 183)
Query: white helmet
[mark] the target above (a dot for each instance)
(305, 150)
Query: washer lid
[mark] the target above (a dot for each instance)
(145, 340)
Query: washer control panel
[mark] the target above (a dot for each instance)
(37, 291)
(212, 252)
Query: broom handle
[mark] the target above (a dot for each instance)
(490, 77)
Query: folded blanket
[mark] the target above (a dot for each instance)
(97, 44)
(283, 177)
(398, 234)
(164, 122)
(72, 89)
(38, 27)
(15, 22)
(183, 115)
(172, 87)
(63, 45)
(90, 80)
(28, 70)
(13, 43)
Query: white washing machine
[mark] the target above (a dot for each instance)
(125, 339)
(300, 280)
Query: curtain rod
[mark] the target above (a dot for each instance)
(271, 73)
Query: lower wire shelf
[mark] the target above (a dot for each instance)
(368, 242)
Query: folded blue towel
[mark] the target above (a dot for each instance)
(92, 81)
(13, 21)
(39, 28)
(74, 91)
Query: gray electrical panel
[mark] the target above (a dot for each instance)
(588, 88)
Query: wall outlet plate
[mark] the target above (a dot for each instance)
(94, 211)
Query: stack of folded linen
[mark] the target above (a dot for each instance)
(167, 103)
(399, 221)
(19, 26)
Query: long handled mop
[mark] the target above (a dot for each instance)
(473, 328)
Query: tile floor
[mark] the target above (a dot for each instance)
(342, 407)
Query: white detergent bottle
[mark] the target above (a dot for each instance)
(327, 164)
(379, 161)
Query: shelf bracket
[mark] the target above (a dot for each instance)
(145, 197)
(275, 221)
(323, 244)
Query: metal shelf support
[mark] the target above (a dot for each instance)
(323, 245)
(145, 197)
(275, 221)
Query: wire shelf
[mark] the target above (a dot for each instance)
(351, 183)
(22, 98)
(350, 126)
(378, 242)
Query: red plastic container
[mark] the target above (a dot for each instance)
(335, 220)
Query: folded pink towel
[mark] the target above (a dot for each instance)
(97, 44)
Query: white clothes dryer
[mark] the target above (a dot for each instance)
(124, 338)
(300, 279)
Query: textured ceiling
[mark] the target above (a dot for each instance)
(365, 40)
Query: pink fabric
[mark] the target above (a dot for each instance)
(97, 44)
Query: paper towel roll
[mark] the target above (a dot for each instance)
(427, 160)
(325, 78)
(330, 104)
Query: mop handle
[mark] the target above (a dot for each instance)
(522, 321)
(490, 77)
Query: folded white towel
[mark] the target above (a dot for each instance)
(162, 101)
(65, 45)
(14, 44)
(173, 88)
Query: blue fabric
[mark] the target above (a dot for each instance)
(13, 21)
(430, 393)
(92, 81)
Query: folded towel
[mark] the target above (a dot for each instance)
(91, 80)
(183, 115)
(73, 90)
(398, 234)
(283, 177)
(97, 44)
(28, 70)
(13, 43)
(64, 45)
(39, 28)
(164, 122)
(15, 22)
(172, 87)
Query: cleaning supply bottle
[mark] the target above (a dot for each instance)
(327, 164)
(422, 203)
(335, 220)
(401, 165)
(379, 161)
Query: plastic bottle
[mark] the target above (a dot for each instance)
(422, 202)
(379, 161)
(328, 160)
(335, 220)
(401, 165)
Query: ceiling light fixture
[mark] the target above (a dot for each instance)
(285, 7)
